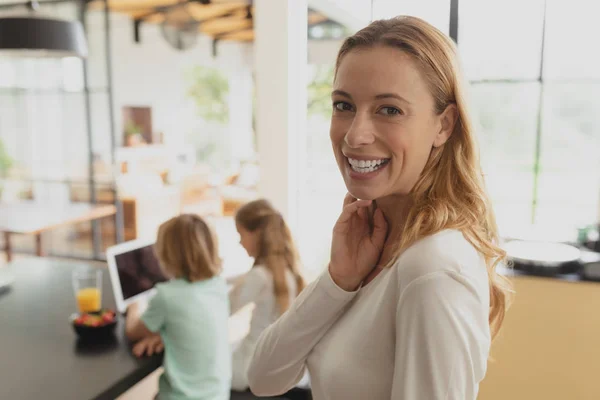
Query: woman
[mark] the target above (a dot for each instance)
(410, 300)
(273, 282)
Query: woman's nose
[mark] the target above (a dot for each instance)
(361, 132)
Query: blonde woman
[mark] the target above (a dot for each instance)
(410, 301)
(272, 283)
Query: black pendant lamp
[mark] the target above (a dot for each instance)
(33, 35)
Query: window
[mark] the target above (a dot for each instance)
(436, 12)
(571, 37)
(568, 186)
(498, 43)
(540, 134)
(507, 116)
(323, 191)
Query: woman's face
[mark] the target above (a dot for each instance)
(384, 123)
(248, 240)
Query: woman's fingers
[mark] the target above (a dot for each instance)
(353, 207)
(348, 199)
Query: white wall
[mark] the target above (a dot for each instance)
(151, 73)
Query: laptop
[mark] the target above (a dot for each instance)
(134, 271)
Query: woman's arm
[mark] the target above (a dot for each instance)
(280, 355)
(442, 339)
(248, 288)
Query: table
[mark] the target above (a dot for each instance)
(34, 218)
(40, 354)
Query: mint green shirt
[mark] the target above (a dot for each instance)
(192, 319)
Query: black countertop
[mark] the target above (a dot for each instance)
(40, 354)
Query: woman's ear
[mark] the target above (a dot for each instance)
(447, 122)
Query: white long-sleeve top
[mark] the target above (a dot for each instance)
(256, 286)
(418, 331)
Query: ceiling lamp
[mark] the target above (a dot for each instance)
(36, 36)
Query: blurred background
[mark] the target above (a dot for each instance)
(199, 106)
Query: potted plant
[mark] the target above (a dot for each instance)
(5, 163)
(133, 134)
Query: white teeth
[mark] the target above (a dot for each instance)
(365, 166)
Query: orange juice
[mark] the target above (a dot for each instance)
(89, 299)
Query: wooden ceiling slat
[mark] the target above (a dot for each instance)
(216, 26)
(242, 36)
(130, 5)
(315, 18)
(201, 12)
(221, 25)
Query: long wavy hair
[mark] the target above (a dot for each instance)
(276, 248)
(450, 193)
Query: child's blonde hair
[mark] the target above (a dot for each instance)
(187, 248)
(276, 249)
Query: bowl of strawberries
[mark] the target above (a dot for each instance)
(94, 325)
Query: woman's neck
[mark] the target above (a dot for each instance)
(395, 208)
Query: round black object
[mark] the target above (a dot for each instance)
(93, 333)
(543, 258)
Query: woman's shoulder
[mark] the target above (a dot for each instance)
(260, 273)
(447, 254)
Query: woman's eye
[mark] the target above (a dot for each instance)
(390, 111)
(342, 106)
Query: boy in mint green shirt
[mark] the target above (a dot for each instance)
(190, 314)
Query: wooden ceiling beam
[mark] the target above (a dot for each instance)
(241, 36)
(222, 21)
(218, 26)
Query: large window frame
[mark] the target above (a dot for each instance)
(543, 83)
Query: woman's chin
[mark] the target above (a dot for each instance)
(362, 193)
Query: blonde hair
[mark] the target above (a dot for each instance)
(276, 249)
(450, 193)
(187, 248)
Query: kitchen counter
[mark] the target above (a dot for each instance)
(548, 347)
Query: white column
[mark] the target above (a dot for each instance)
(240, 108)
(280, 55)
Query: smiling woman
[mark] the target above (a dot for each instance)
(411, 299)
(388, 119)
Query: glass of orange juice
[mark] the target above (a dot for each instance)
(87, 283)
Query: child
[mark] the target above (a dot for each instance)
(272, 283)
(189, 313)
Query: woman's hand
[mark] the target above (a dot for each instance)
(148, 346)
(355, 247)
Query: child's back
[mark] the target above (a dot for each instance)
(189, 312)
(192, 318)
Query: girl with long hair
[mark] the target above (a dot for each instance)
(272, 283)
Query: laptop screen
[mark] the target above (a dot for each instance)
(139, 270)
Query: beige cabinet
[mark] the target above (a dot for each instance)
(549, 347)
